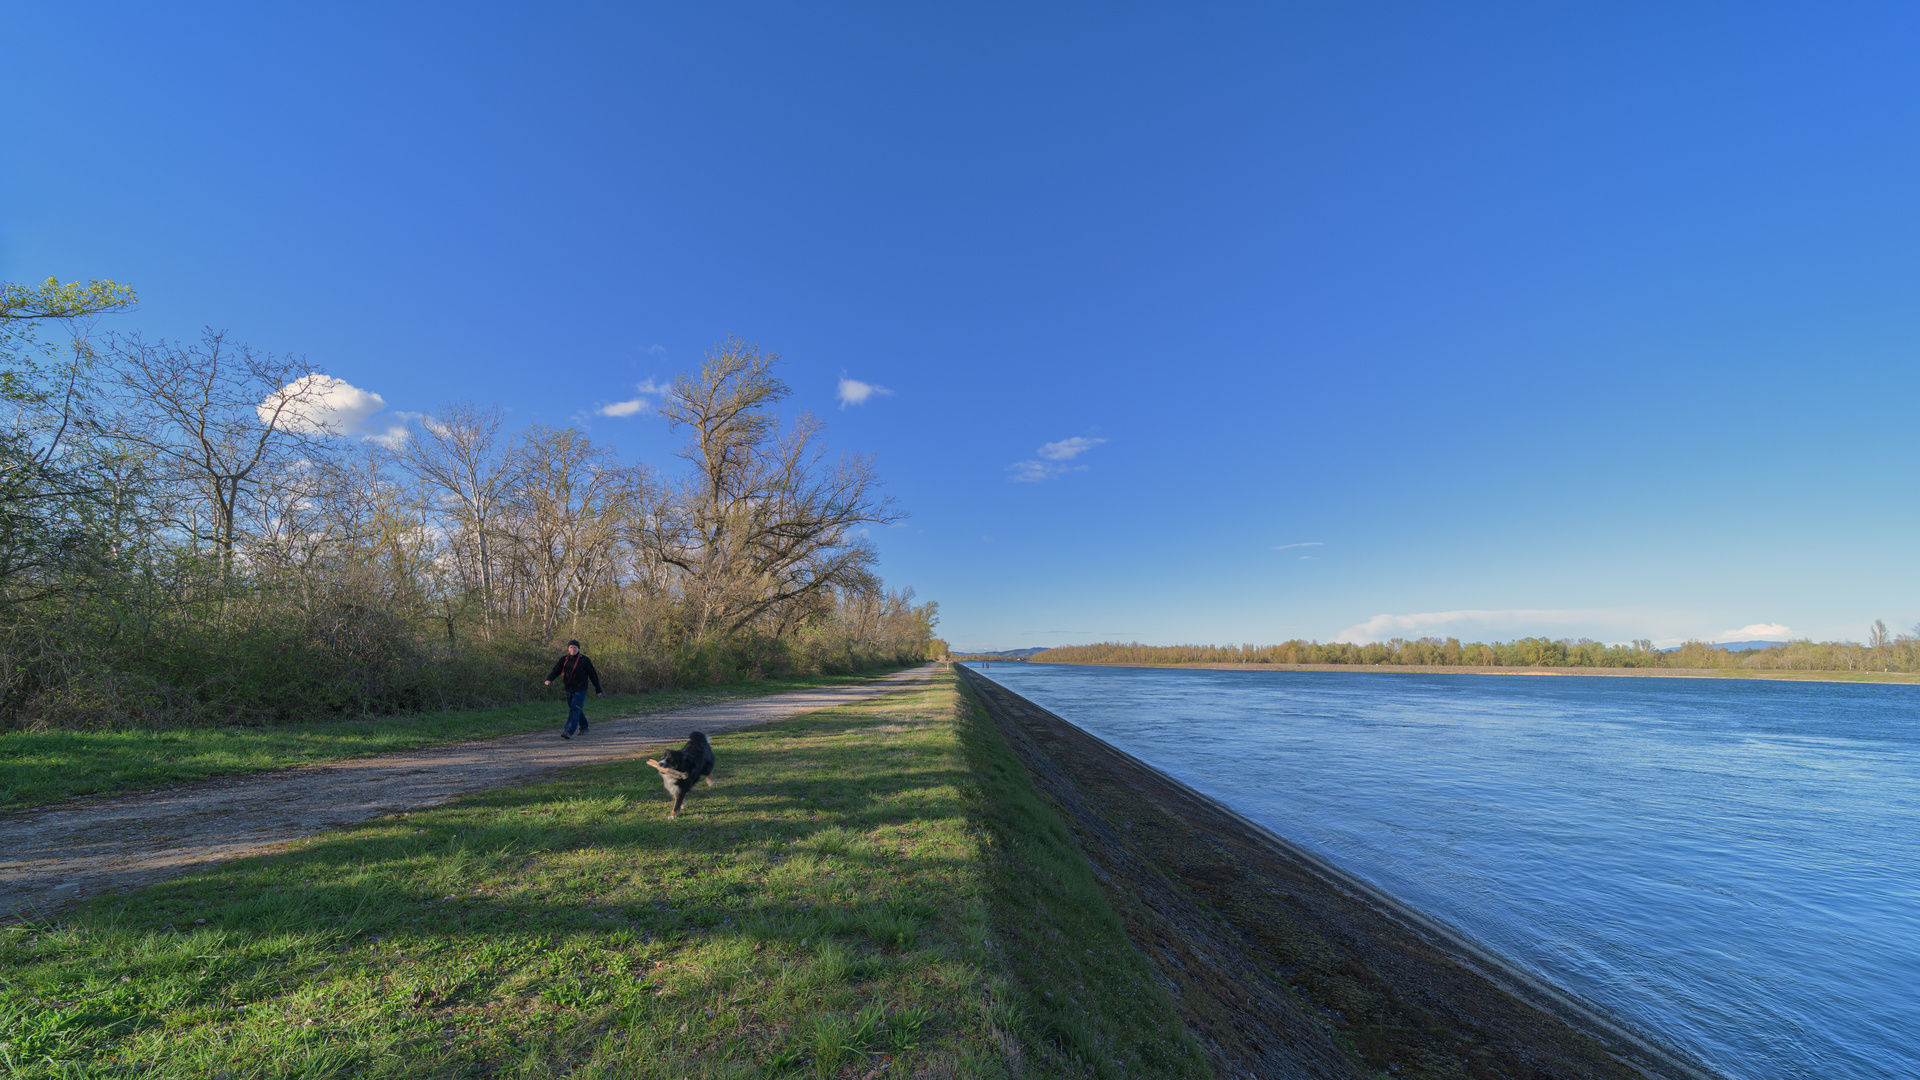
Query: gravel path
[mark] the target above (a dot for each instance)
(52, 857)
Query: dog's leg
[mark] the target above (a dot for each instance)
(709, 779)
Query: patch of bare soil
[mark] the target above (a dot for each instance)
(1282, 965)
(51, 857)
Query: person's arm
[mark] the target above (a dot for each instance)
(555, 673)
(594, 674)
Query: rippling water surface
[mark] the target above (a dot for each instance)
(1729, 865)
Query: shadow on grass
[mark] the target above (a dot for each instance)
(832, 871)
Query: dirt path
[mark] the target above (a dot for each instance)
(52, 857)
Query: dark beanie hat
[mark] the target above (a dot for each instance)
(573, 643)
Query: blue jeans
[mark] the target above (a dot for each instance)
(577, 711)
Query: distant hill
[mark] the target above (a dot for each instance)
(1011, 654)
(1737, 646)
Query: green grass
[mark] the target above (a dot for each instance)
(41, 766)
(1088, 999)
(868, 886)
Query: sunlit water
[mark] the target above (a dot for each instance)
(1728, 865)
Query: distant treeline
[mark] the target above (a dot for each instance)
(1883, 652)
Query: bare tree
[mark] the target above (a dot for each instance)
(461, 457)
(764, 522)
(569, 509)
(218, 422)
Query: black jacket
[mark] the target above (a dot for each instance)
(577, 669)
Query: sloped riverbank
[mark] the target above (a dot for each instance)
(1283, 966)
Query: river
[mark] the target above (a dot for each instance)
(1731, 866)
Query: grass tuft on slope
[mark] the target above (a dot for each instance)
(1086, 998)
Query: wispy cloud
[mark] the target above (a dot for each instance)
(1032, 472)
(1665, 628)
(1289, 547)
(1053, 460)
(635, 406)
(393, 430)
(855, 392)
(1068, 449)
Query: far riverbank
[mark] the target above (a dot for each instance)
(1904, 678)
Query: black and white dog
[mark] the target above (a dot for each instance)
(681, 769)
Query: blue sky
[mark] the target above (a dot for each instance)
(1196, 323)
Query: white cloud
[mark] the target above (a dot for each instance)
(1289, 547)
(623, 408)
(654, 388)
(320, 404)
(1516, 622)
(1760, 631)
(323, 405)
(1068, 449)
(855, 392)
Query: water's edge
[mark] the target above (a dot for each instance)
(1789, 675)
(1392, 920)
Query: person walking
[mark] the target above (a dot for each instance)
(574, 671)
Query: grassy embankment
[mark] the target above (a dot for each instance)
(1904, 678)
(871, 885)
(41, 766)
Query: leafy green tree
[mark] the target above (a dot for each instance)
(24, 307)
(49, 482)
